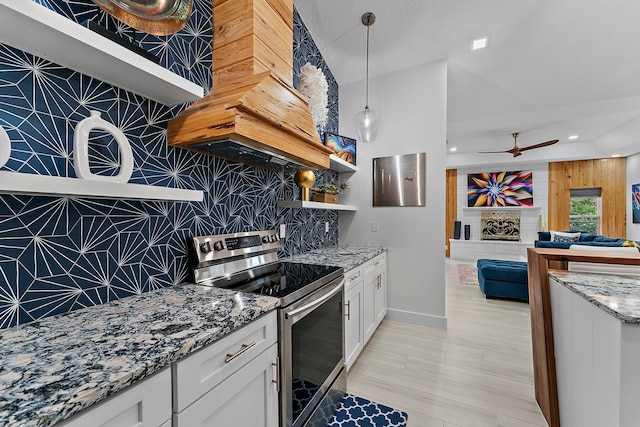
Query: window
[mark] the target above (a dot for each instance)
(585, 209)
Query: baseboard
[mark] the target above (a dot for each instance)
(419, 319)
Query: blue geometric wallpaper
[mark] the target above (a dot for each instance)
(59, 254)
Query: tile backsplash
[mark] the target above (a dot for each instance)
(59, 254)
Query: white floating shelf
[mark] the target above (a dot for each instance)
(28, 26)
(299, 204)
(339, 165)
(56, 186)
(502, 208)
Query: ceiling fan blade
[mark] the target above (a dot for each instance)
(542, 144)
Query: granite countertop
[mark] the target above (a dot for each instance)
(346, 256)
(53, 368)
(617, 295)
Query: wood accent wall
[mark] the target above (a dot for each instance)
(608, 174)
(451, 206)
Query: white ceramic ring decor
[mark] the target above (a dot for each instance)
(5, 147)
(81, 150)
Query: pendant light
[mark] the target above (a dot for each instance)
(367, 121)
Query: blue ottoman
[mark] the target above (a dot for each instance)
(503, 279)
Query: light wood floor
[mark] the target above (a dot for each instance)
(477, 373)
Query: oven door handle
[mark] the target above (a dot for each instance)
(317, 302)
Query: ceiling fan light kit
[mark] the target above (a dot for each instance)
(367, 121)
(517, 151)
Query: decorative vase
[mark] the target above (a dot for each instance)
(456, 229)
(304, 180)
(81, 150)
(5, 147)
(467, 232)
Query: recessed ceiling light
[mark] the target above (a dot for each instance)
(615, 155)
(480, 43)
(453, 149)
(573, 137)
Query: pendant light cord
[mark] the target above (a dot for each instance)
(366, 92)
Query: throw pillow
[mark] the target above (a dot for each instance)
(558, 236)
(544, 236)
(631, 244)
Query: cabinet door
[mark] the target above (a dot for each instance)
(246, 398)
(353, 329)
(380, 296)
(145, 404)
(368, 308)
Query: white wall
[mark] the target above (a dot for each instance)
(529, 219)
(412, 106)
(633, 177)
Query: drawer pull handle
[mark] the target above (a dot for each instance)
(377, 263)
(276, 380)
(244, 348)
(348, 310)
(354, 277)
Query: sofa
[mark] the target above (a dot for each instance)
(544, 240)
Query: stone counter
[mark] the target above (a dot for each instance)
(345, 256)
(617, 295)
(54, 368)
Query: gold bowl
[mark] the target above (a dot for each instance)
(159, 17)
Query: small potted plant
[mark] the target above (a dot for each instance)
(329, 192)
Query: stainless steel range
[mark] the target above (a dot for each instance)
(310, 317)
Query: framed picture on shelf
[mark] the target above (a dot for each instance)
(342, 146)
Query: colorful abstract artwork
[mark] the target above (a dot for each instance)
(495, 189)
(345, 148)
(635, 202)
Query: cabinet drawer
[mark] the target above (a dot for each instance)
(376, 263)
(248, 398)
(352, 277)
(145, 404)
(200, 372)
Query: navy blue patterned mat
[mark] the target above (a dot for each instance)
(356, 411)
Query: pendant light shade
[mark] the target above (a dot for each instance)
(367, 121)
(368, 124)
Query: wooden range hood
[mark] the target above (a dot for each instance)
(253, 114)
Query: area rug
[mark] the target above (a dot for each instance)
(356, 411)
(468, 274)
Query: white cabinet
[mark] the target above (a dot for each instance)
(246, 398)
(380, 296)
(231, 382)
(365, 304)
(354, 326)
(145, 404)
(375, 294)
(598, 378)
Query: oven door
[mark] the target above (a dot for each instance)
(312, 351)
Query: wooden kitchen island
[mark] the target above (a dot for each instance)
(572, 371)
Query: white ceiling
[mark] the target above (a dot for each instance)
(553, 68)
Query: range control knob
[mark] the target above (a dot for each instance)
(266, 239)
(205, 248)
(218, 246)
(274, 237)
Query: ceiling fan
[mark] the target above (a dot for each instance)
(517, 151)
